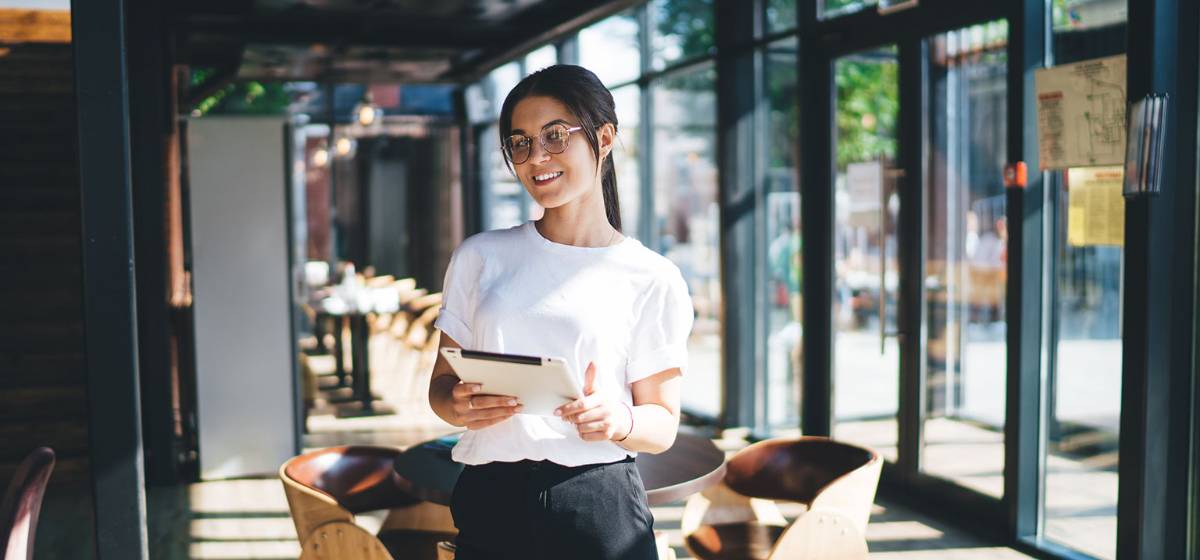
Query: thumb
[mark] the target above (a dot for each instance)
(589, 379)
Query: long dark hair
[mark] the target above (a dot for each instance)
(586, 98)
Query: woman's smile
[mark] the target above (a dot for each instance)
(543, 179)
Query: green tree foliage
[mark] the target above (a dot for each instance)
(868, 102)
(839, 5)
(242, 98)
(690, 21)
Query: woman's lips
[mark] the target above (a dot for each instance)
(549, 178)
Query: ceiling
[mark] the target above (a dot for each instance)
(407, 41)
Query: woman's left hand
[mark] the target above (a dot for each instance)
(598, 417)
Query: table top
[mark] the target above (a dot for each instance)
(691, 465)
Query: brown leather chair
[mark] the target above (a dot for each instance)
(326, 488)
(836, 481)
(22, 503)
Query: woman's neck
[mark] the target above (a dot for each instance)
(582, 223)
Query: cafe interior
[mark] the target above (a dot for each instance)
(225, 227)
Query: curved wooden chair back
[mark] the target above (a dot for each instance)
(425, 302)
(22, 504)
(335, 483)
(837, 481)
(797, 470)
(340, 540)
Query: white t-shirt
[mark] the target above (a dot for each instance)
(624, 307)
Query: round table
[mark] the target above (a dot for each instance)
(691, 465)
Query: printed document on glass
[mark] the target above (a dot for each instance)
(1081, 113)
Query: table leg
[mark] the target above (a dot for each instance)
(319, 332)
(339, 351)
(360, 343)
(342, 391)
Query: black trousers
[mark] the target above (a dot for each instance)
(537, 509)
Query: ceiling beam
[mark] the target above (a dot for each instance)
(341, 29)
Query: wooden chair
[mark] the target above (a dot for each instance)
(836, 481)
(326, 488)
(22, 503)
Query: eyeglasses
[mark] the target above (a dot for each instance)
(554, 138)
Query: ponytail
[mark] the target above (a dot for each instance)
(612, 204)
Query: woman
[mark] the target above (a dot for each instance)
(569, 285)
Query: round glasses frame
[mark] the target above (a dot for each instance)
(527, 149)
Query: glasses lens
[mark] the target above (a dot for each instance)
(554, 138)
(518, 148)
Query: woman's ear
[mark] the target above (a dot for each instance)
(606, 136)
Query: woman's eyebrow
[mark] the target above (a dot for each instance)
(555, 121)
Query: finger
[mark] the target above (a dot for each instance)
(463, 390)
(490, 401)
(492, 413)
(589, 427)
(592, 415)
(576, 406)
(589, 379)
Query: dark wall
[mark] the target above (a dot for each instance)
(43, 393)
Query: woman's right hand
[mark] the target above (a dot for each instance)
(477, 411)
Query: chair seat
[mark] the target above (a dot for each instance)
(411, 544)
(727, 541)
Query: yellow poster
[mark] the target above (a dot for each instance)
(1096, 209)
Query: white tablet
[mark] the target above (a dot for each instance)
(540, 384)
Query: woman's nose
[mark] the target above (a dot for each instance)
(538, 153)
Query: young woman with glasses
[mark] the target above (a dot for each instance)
(568, 285)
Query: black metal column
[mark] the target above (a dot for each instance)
(914, 113)
(1026, 53)
(110, 308)
(647, 227)
(1157, 320)
(817, 129)
(150, 91)
(737, 97)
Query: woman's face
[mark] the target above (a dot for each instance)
(554, 180)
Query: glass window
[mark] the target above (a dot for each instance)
(781, 15)
(610, 49)
(503, 80)
(783, 251)
(505, 203)
(505, 200)
(686, 218)
(966, 237)
(1083, 386)
(1084, 390)
(866, 372)
(627, 156)
(540, 58)
(1087, 29)
(832, 8)
(682, 29)
(1087, 14)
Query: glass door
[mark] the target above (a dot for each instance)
(866, 354)
(920, 249)
(966, 253)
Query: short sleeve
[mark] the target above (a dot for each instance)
(459, 295)
(660, 333)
